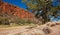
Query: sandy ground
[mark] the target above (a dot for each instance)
(12, 31)
(46, 29)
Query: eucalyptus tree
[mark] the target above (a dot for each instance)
(44, 6)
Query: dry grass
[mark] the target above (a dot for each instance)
(15, 25)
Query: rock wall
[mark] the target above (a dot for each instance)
(10, 10)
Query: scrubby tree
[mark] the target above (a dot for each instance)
(43, 8)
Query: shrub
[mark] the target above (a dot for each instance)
(4, 21)
(29, 21)
(17, 21)
(22, 21)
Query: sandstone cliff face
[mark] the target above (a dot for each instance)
(9, 10)
(14, 10)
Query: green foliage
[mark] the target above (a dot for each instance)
(4, 21)
(29, 21)
(22, 21)
(13, 21)
(45, 6)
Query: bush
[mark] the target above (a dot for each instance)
(17, 21)
(22, 21)
(4, 21)
(29, 21)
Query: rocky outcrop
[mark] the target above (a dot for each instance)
(9, 9)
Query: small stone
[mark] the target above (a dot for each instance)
(46, 30)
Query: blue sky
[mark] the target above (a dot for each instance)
(22, 5)
(17, 3)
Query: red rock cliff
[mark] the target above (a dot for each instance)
(14, 10)
(11, 10)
